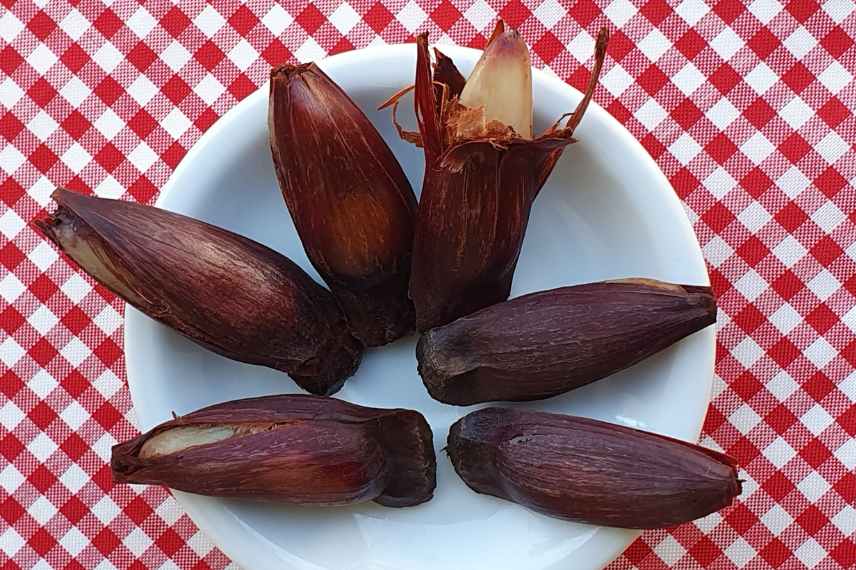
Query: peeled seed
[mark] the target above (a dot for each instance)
(483, 170)
(181, 438)
(501, 83)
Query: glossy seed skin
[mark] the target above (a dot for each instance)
(584, 470)
(470, 231)
(223, 291)
(351, 202)
(293, 448)
(548, 343)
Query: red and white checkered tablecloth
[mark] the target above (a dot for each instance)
(747, 108)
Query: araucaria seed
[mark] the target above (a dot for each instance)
(298, 449)
(350, 200)
(590, 471)
(223, 291)
(483, 170)
(547, 343)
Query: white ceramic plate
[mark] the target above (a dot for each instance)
(606, 212)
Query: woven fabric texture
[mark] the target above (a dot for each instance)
(747, 108)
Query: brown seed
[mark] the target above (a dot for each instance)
(297, 449)
(349, 198)
(225, 292)
(483, 170)
(589, 471)
(547, 343)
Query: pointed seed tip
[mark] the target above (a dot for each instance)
(601, 43)
(44, 225)
(288, 70)
(62, 196)
(498, 29)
